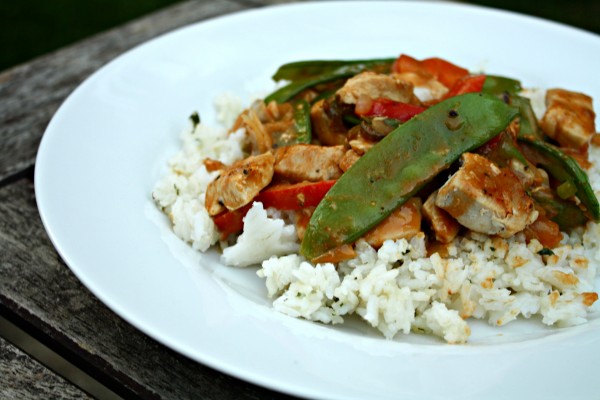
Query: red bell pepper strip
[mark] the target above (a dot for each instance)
(444, 71)
(294, 196)
(402, 112)
(406, 63)
(467, 84)
(230, 222)
(282, 197)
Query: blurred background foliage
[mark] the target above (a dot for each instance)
(29, 28)
(584, 14)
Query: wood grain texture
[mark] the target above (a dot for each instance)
(37, 290)
(31, 93)
(22, 377)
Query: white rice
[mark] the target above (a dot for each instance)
(397, 288)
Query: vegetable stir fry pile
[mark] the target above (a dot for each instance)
(386, 148)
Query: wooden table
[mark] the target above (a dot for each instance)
(38, 292)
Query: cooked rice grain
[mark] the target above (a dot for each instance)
(397, 288)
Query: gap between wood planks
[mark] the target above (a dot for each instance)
(53, 361)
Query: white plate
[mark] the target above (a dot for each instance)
(109, 142)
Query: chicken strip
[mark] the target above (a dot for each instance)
(259, 138)
(349, 158)
(426, 88)
(239, 183)
(486, 199)
(308, 162)
(444, 227)
(374, 86)
(266, 125)
(569, 118)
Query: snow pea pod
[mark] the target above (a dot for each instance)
(399, 165)
(565, 213)
(300, 131)
(302, 123)
(289, 91)
(528, 125)
(508, 89)
(564, 168)
(499, 84)
(311, 68)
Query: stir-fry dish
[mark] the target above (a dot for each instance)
(415, 194)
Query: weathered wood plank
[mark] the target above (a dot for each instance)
(35, 353)
(38, 290)
(22, 377)
(31, 93)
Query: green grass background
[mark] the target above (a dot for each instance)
(29, 28)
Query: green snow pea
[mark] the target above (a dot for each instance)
(564, 168)
(311, 68)
(528, 125)
(300, 131)
(499, 85)
(335, 70)
(399, 165)
(565, 213)
(508, 90)
(288, 92)
(302, 121)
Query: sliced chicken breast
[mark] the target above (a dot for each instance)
(239, 183)
(569, 118)
(307, 162)
(486, 199)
